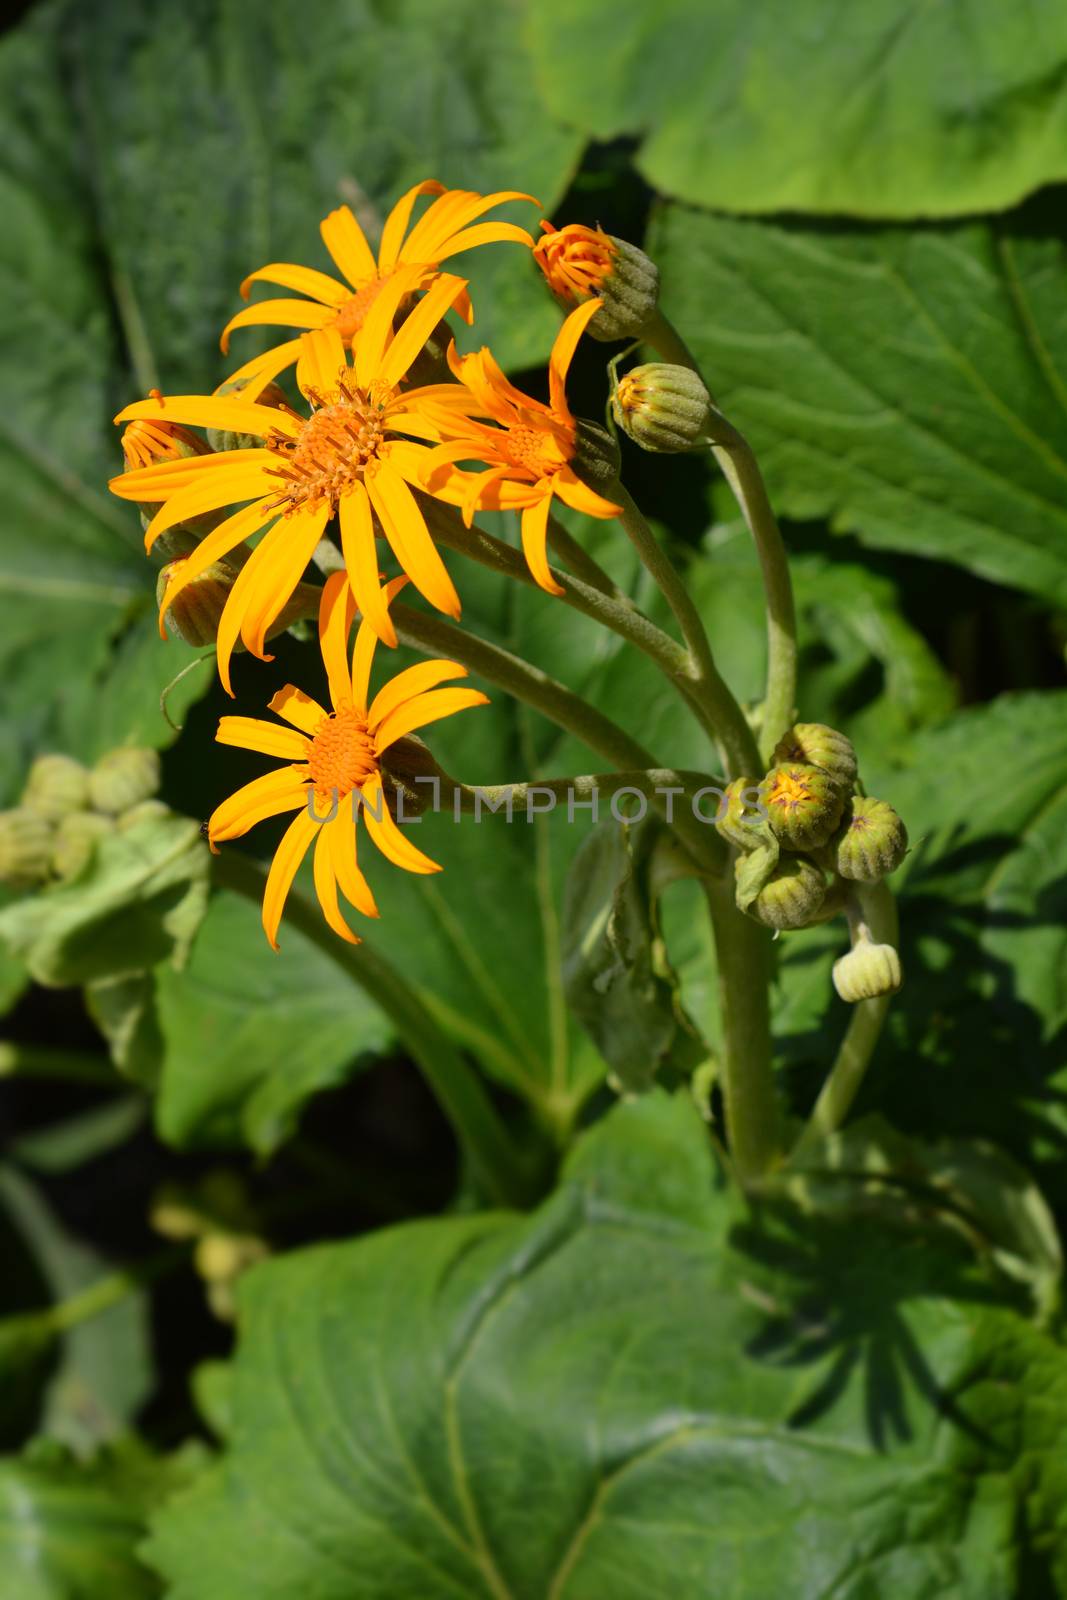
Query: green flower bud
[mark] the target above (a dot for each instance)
(791, 897)
(597, 459)
(582, 263)
(75, 841)
(56, 785)
(662, 408)
(816, 745)
(122, 778)
(143, 811)
(872, 842)
(196, 610)
(868, 972)
(803, 804)
(222, 438)
(25, 847)
(739, 815)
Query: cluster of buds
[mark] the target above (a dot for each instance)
(805, 836)
(66, 808)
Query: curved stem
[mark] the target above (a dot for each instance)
(879, 913)
(720, 712)
(112, 1290)
(506, 1171)
(582, 564)
(741, 470)
(742, 958)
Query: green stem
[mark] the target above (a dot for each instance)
(582, 564)
(112, 1290)
(500, 1166)
(720, 712)
(71, 1066)
(742, 955)
(879, 915)
(742, 473)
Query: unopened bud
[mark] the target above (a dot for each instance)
(816, 745)
(76, 838)
(25, 848)
(792, 895)
(145, 443)
(194, 612)
(224, 438)
(55, 785)
(123, 778)
(868, 972)
(662, 408)
(739, 815)
(872, 843)
(582, 263)
(143, 811)
(803, 805)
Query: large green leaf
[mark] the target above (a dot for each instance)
(124, 246)
(633, 1392)
(929, 414)
(893, 108)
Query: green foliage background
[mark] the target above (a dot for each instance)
(641, 1388)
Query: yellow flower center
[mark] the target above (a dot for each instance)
(789, 790)
(341, 755)
(352, 312)
(334, 446)
(533, 449)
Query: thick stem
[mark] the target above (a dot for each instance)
(879, 913)
(112, 1290)
(753, 1119)
(742, 473)
(71, 1066)
(499, 1165)
(720, 712)
(582, 564)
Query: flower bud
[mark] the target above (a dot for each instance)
(803, 805)
(75, 842)
(872, 843)
(143, 811)
(123, 778)
(792, 895)
(25, 848)
(740, 815)
(196, 610)
(868, 972)
(662, 408)
(145, 444)
(223, 438)
(596, 459)
(816, 745)
(55, 785)
(582, 263)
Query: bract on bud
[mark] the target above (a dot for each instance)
(75, 841)
(740, 816)
(25, 847)
(803, 805)
(868, 972)
(223, 439)
(816, 745)
(582, 263)
(194, 614)
(55, 785)
(122, 778)
(662, 407)
(792, 895)
(872, 843)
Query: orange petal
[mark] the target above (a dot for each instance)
(563, 353)
(213, 411)
(386, 835)
(573, 492)
(277, 314)
(305, 280)
(412, 681)
(164, 478)
(326, 883)
(266, 738)
(275, 792)
(377, 330)
(363, 651)
(218, 543)
(299, 709)
(345, 240)
(485, 233)
(447, 216)
(397, 221)
(417, 327)
(336, 611)
(424, 709)
(261, 370)
(405, 528)
(287, 858)
(534, 539)
(360, 550)
(354, 885)
(279, 571)
(218, 489)
(322, 361)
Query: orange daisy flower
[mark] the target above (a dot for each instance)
(443, 231)
(528, 447)
(575, 260)
(348, 457)
(334, 772)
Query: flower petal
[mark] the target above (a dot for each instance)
(417, 327)
(218, 489)
(336, 611)
(226, 411)
(412, 681)
(285, 789)
(345, 240)
(405, 528)
(305, 280)
(164, 478)
(485, 233)
(298, 708)
(277, 314)
(287, 858)
(218, 543)
(322, 361)
(360, 550)
(563, 353)
(424, 709)
(573, 492)
(343, 835)
(266, 738)
(261, 370)
(365, 645)
(279, 572)
(385, 833)
(439, 225)
(326, 883)
(534, 539)
(397, 221)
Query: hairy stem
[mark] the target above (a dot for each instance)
(505, 1171)
(879, 914)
